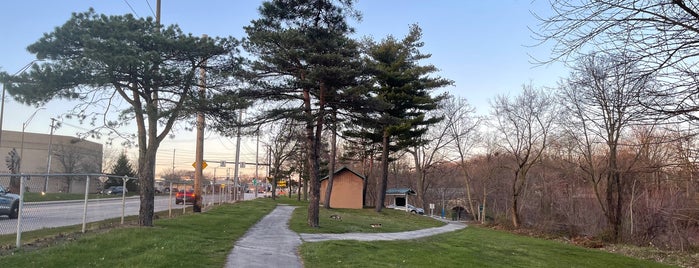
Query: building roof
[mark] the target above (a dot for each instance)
(400, 191)
(342, 169)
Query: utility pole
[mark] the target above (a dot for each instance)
(257, 161)
(48, 160)
(198, 170)
(237, 158)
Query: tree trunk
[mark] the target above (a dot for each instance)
(15, 184)
(383, 182)
(313, 140)
(333, 156)
(613, 202)
(476, 215)
(515, 199)
(146, 185)
(481, 210)
(274, 186)
(148, 146)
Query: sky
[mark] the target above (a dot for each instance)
(485, 47)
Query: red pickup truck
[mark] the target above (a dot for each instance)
(184, 196)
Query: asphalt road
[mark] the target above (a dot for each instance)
(39, 215)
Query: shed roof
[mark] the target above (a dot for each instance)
(400, 191)
(342, 169)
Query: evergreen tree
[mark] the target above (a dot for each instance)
(122, 168)
(303, 58)
(402, 97)
(102, 60)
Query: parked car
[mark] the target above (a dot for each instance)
(183, 196)
(411, 209)
(116, 190)
(9, 203)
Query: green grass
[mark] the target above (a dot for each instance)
(205, 239)
(470, 247)
(193, 240)
(360, 221)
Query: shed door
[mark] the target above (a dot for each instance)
(400, 201)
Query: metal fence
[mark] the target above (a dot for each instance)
(80, 199)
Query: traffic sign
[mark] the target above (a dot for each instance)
(203, 164)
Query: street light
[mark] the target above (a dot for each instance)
(24, 126)
(2, 98)
(48, 160)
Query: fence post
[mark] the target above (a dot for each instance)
(87, 192)
(19, 211)
(169, 202)
(123, 199)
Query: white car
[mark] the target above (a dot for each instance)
(411, 209)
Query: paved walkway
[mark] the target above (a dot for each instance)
(270, 243)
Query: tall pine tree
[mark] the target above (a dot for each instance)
(303, 57)
(401, 91)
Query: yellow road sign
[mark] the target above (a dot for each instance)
(203, 164)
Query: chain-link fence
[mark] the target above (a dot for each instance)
(37, 201)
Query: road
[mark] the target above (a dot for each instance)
(39, 215)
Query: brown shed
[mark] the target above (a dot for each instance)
(348, 189)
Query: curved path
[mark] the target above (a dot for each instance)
(270, 243)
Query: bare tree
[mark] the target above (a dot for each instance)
(432, 153)
(524, 123)
(283, 146)
(463, 130)
(659, 36)
(73, 159)
(602, 98)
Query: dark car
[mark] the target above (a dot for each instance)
(183, 196)
(9, 203)
(116, 190)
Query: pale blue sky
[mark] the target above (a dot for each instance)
(484, 46)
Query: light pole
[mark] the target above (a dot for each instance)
(2, 98)
(24, 126)
(48, 160)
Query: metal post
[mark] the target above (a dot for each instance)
(19, 212)
(24, 126)
(237, 158)
(87, 191)
(48, 160)
(257, 162)
(4, 88)
(123, 198)
(169, 202)
(2, 109)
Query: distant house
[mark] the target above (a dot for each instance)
(347, 191)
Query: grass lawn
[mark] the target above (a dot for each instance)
(360, 221)
(193, 240)
(204, 240)
(470, 247)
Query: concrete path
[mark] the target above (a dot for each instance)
(452, 226)
(270, 243)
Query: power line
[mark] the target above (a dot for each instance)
(151, 8)
(132, 10)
